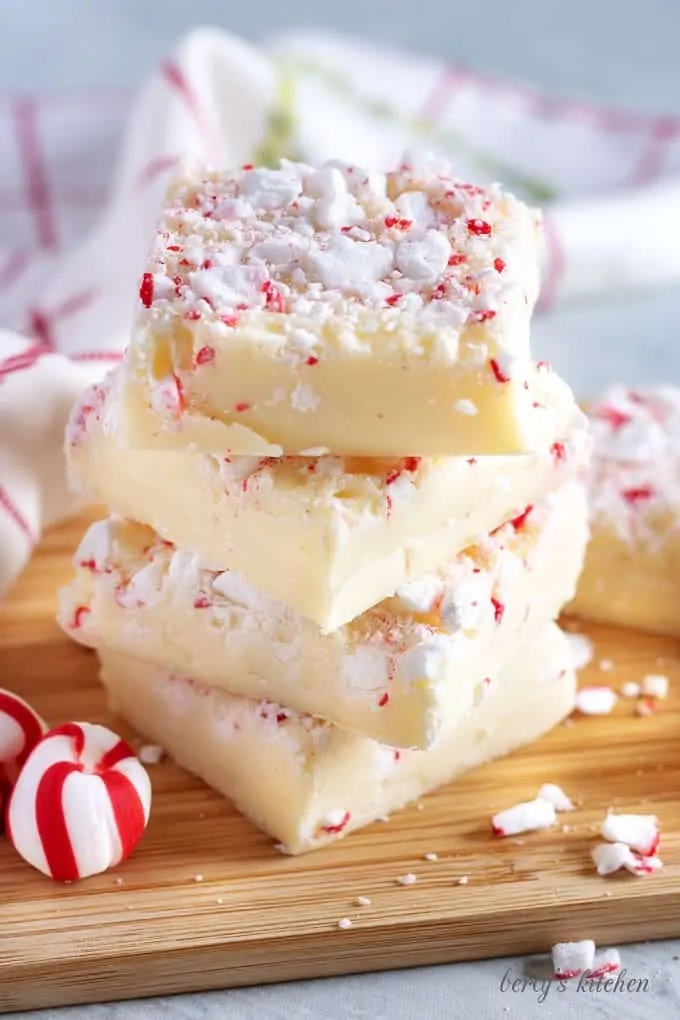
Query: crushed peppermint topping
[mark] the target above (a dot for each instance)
(336, 243)
(595, 700)
(611, 857)
(634, 477)
(525, 817)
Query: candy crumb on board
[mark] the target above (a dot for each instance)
(556, 796)
(524, 817)
(595, 700)
(408, 879)
(606, 665)
(611, 857)
(344, 923)
(654, 685)
(362, 901)
(150, 754)
(630, 690)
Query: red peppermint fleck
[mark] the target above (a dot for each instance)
(185, 262)
(638, 495)
(559, 452)
(181, 399)
(205, 355)
(457, 260)
(654, 847)
(383, 700)
(78, 617)
(479, 227)
(397, 754)
(615, 418)
(192, 315)
(339, 826)
(312, 360)
(484, 315)
(499, 265)
(174, 247)
(393, 299)
(568, 975)
(281, 717)
(543, 364)
(498, 610)
(208, 264)
(201, 601)
(146, 290)
(242, 406)
(498, 830)
(472, 460)
(399, 222)
(229, 320)
(498, 372)
(608, 967)
(247, 166)
(521, 519)
(273, 298)
(410, 464)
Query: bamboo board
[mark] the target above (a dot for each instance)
(257, 917)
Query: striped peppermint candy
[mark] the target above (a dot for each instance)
(80, 804)
(20, 730)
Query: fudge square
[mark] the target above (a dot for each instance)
(308, 783)
(631, 575)
(327, 536)
(330, 310)
(401, 673)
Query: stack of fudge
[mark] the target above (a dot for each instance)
(347, 507)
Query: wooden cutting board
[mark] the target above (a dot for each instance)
(206, 902)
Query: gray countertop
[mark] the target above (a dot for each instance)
(615, 51)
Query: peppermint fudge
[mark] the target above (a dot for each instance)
(302, 310)
(328, 536)
(631, 575)
(306, 782)
(402, 673)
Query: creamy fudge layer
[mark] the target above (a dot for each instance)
(306, 782)
(328, 536)
(632, 569)
(301, 309)
(402, 673)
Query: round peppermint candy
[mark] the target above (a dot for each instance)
(80, 804)
(20, 730)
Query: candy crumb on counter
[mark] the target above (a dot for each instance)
(606, 665)
(630, 690)
(639, 832)
(431, 857)
(654, 685)
(556, 796)
(407, 879)
(570, 959)
(150, 754)
(463, 880)
(595, 700)
(581, 648)
(344, 923)
(525, 817)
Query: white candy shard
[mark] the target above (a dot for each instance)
(611, 857)
(607, 962)
(639, 832)
(80, 804)
(572, 958)
(595, 700)
(408, 879)
(655, 686)
(525, 817)
(581, 650)
(630, 690)
(556, 796)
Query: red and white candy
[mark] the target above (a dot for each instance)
(20, 730)
(80, 804)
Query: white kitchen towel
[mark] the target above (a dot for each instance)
(82, 177)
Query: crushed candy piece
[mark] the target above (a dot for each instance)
(630, 690)
(655, 686)
(344, 923)
(595, 700)
(525, 817)
(570, 959)
(150, 754)
(639, 832)
(408, 879)
(556, 796)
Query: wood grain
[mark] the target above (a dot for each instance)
(259, 917)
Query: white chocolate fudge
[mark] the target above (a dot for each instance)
(328, 536)
(296, 310)
(306, 782)
(632, 568)
(402, 673)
